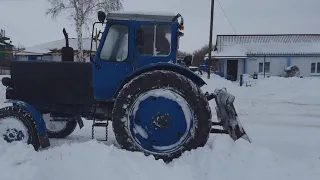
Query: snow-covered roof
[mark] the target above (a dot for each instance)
(141, 16)
(230, 52)
(46, 47)
(287, 44)
(2, 44)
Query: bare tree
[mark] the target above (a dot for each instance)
(16, 49)
(81, 12)
(20, 47)
(199, 55)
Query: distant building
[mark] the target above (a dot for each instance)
(267, 54)
(51, 51)
(6, 52)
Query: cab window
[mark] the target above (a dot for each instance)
(115, 47)
(156, 40)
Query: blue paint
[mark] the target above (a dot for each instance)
(34, 57)
(219, 74)
(204, 65)
(245, 65)
(289, 61)
(163, 66)
(241, 79)
(167, 134)
(108, 77)
(40, 124)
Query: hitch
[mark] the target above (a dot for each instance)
(210, 96)
(227, 115)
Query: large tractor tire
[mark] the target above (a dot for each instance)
(18, 125)
(59, 129)
(161, 113)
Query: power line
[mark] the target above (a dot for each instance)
(227, 17)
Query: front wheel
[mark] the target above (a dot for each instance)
(18, 125)
(59, 129)
(161, 113)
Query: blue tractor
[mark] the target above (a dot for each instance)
(155, 105)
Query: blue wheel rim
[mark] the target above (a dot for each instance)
(160, 121)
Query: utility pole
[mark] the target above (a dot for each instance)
(210, 38)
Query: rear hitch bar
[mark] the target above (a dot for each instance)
(210, 96)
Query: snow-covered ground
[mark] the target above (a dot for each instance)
(282, 117)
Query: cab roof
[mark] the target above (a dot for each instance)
(141, 16)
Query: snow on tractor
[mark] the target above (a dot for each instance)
(155, 105)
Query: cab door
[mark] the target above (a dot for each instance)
(113, 59)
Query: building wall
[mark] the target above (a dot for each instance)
(22, 58)
(277, 65)
(304, 64)
(58, 58)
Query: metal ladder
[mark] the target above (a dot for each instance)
(99, 124)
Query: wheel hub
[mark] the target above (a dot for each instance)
(52, 125)
(160, 121)
(13, 135)
(12, 129)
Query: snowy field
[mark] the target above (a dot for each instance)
(282, 117)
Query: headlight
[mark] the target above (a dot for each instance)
(6, 81)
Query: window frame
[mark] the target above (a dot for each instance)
(104, 41)
(155, 40)
(315, 68)
(263, 67)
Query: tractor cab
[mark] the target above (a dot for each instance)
(138, 38)
(131, 41)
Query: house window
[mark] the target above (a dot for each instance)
(315, 68)
(260, 67)
(266, 67)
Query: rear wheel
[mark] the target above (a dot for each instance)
(161, 113)
(18, 125)
(59, 129)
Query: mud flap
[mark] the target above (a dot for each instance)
(79, 121)
(227, 115)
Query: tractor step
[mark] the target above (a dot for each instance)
(216, 124)
(100, 124)
(218, 131)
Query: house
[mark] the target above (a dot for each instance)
(51, 51)
(6, 53)
(267, 54)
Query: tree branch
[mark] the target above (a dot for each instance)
(57, 7)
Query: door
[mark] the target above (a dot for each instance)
(115, 58)
(232, 69)
(157, 43)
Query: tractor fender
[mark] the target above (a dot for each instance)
(163, 66)
(40, 124)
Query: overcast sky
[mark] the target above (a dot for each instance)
(26, 23)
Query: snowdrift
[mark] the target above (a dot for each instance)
(281, 152)
(220, 160)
